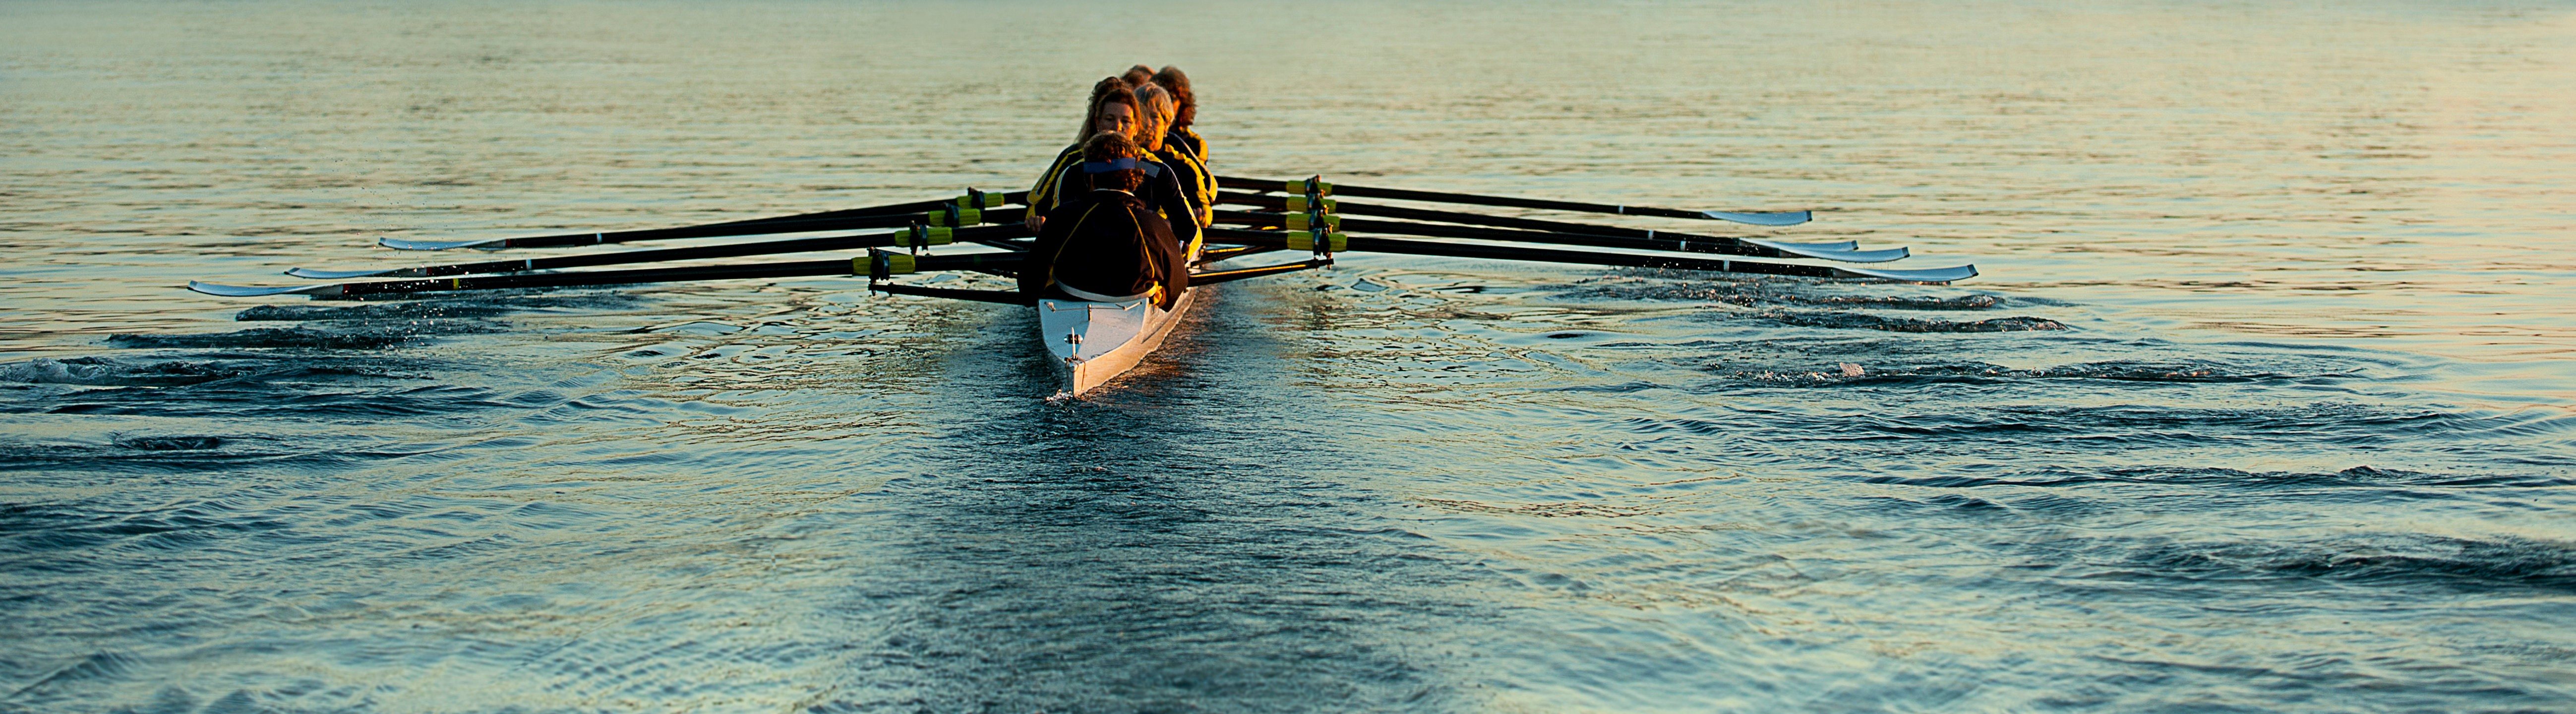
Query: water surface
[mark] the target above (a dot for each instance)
(2262, 402)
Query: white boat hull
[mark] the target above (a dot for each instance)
(1091, 343)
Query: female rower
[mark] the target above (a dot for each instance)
(1185, 114)
(1112, 109)
(1197, 186)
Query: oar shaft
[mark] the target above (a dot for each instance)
(802, 268)
(1402, 194)
(991, 235)
(606, 277)
(806, 225)
(1497, 252)
(1007, 297)
(1545, 255)
(913, 207)
(844, 223)
(1694, 244)
(800, 245)
(1280, 203)
(888, 216)
(1226, 276)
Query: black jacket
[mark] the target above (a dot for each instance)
(1106, 242)
(1162, 192)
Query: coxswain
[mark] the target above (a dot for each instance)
(1185, 115)
(1105, 243)
(1197, 187)
(1112, 109)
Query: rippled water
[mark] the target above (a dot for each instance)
(2263, 401)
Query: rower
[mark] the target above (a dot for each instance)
(1186, 113)
(1162, 191)
(1197, 186)
(1138, 74)
(1107, 244)
(1112, 109)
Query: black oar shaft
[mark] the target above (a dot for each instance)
(729, 250)
(887, 216)
(1401, 194)
(913, 207)
(1544, 255)
(1597, 241)
(1226, 276)
(1280, 203)
(800, 245)
(1212, 255)
(845, 223)
(1008, 297)
(1693, 244)
(762, 227)
(802, 268)
(1496, 252)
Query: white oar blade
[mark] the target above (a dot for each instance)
(1926, 275)
(1846, 246)
(1779, 218)
(345, 274)
(1845, 255)
(401, 244)
(261, 290)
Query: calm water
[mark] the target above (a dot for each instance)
(2263, 403)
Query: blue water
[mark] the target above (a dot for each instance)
(2261, 404)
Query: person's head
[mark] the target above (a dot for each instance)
(1112, 109)
(1138, 74)
(1154, 107)
(1186, 104)
(1109, 147)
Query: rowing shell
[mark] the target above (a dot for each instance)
(1092, 342)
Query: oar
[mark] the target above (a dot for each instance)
(886, 216)
(1213, 255)
(875, 264)
(1292, 221)
(1846, 251)
(1289, 240)
(924, 236)
(1759, 218)
(1596, 236)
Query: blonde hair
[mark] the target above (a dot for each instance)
(1155, 101)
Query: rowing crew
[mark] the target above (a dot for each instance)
(1118, 213)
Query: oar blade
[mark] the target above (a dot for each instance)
(1846, 246)
(312, 274)
(1765, 218)
(1924, 275)
(1846, 255)
(261, 290)
(402, 244)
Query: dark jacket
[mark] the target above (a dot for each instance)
(1162, 192)
(1106, 242)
